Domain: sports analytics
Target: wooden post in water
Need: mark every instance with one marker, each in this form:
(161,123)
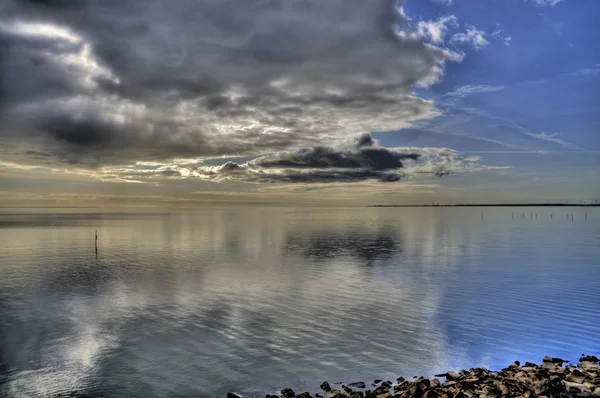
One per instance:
(96,243)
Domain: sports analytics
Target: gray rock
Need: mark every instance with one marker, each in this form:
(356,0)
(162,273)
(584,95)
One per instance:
(325,386)
(288,393)
(304,395)
(358,384)
(334,394)
(452,376)
(233,395)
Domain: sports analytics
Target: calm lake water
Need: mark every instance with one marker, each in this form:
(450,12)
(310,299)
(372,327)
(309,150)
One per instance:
(199,303)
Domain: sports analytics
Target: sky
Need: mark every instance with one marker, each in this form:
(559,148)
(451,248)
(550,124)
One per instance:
(298,102)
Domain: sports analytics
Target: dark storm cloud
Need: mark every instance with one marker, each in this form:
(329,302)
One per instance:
(327,157)
(363,159)
(81,133)
(133,80)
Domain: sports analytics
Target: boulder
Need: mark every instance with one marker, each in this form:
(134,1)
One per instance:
(387,384)
(271,396)
(415,391)
(357,394)
(452,376)
(288,393)
(587,365)
(577,376)
(325,386)
(334,394)
(347,389)
(542,387)
(304,395)
(317,395)
(514,365)
(233,395)
(358,384)
(574,388)
(377,381)
(589,358)
(431,394)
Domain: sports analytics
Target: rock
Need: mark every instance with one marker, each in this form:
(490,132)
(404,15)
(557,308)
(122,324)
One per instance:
(233,395)
(333,394)
(452,376)
(587,365)
(435,383)
(356,394)
(400,387)
(387,384)
(530,365)
(325,386)
(304,395)
(415,391)
(271,396)
(358,384)
(431,394)
(441,375)
(449,384)
(542,387)
(317,395)
(514,365)
(347,389)
(377,381)
(577,376)
(589,358)
(400,379)
(288,393)
(576,387)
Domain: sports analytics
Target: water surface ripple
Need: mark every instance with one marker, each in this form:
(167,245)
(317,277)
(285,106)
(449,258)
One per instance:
(198,303)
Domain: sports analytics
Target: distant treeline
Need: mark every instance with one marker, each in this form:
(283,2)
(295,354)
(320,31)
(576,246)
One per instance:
(500,205)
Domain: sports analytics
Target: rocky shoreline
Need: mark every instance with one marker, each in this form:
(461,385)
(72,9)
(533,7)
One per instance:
(550,379)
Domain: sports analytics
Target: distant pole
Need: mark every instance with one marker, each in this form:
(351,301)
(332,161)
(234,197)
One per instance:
(96,243)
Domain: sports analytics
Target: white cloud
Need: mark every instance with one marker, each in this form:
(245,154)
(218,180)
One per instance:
(444,2)
(472,36)
(463,91)
(553,138)
(436,30)
(543,3)
(505,39)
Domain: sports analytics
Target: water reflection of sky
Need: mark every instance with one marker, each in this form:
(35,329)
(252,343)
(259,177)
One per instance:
(205,302)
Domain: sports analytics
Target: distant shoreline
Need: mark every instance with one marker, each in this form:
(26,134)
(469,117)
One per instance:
(499,205)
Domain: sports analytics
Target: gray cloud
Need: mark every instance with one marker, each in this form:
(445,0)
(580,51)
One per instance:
(113,82)
(362,160)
